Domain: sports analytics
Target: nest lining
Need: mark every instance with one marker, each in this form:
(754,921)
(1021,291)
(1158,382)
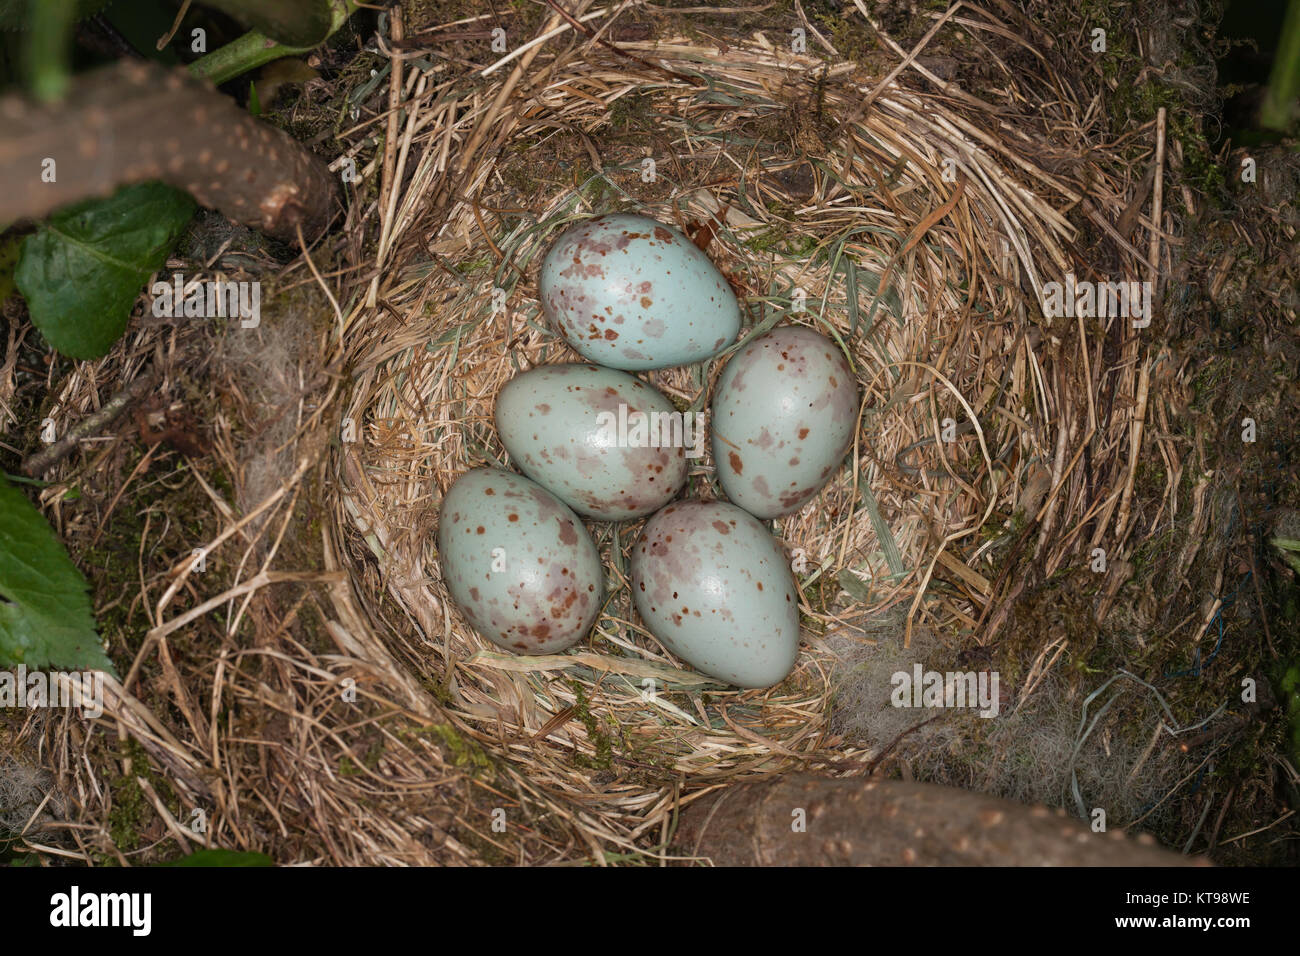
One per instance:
(920,241)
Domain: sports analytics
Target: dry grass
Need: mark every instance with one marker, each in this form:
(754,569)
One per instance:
(921,221)
(921,228)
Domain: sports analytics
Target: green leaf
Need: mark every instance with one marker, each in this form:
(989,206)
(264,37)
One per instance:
(221,857)
(854,585)
(253,48)
(291,22)
(82,270)
(884,534)
(48,50)
(45,616)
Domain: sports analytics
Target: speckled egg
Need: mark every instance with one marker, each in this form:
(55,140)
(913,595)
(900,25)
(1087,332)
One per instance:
(631,293)
(605,443)
(784,410)
(714,587)
(518,562)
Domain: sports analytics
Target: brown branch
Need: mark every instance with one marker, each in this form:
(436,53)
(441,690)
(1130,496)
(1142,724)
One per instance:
(871,822)
(135,121)
(48,457)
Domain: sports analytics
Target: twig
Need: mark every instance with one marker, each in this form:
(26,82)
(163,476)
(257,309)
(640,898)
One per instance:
(1254,578)
(577,25)
(387,187)
(1242,836)
(871,767)
(47,458)
(1157,203)
(176,25)
(470,149)
(1218,823)
(903,64)
(1187,847)
(1134,450)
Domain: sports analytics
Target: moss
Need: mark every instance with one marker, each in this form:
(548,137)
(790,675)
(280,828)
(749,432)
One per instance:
(1131,103)
(477,265)
(602,741)
(131,808)
(221,481)
(1149,479)
(778,239)
(114,557)
(634,110)
(465,754)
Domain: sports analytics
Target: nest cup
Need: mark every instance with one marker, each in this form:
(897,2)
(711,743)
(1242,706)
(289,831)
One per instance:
(899,226)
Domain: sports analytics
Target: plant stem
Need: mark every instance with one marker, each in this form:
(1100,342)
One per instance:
(1278,109)
(48,48)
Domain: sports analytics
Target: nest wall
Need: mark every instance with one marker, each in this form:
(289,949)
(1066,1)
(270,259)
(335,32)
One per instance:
(916,228)
(913,222)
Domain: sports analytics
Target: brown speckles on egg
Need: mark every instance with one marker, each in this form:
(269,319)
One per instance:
(596,450)
(795,423)
(511,558)
(793,500)
(613,262)
(710,589)
(736,464)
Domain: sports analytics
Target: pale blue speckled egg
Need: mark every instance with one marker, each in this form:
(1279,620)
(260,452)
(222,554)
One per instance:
(605,443)
(714,587)
(518,562)
(631,293)
(784,411)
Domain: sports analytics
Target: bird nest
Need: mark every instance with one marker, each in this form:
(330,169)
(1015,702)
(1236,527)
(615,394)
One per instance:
(910,221)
